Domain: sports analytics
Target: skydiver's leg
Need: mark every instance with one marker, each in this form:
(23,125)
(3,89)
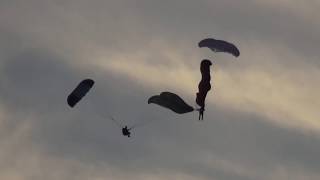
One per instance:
(202,110)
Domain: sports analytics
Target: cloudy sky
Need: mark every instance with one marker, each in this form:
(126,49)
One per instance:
(262,119)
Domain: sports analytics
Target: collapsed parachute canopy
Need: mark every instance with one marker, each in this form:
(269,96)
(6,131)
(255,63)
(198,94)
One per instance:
(79,92)
(171,101)
(204,85)
(219,46)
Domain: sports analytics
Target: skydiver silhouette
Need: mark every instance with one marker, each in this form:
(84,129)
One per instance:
(126,131)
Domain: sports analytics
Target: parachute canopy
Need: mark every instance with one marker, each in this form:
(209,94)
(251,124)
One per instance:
(171,101)
(204,85)
(219,46)
(79,92)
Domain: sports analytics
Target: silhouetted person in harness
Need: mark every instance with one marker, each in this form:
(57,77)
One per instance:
(126,131)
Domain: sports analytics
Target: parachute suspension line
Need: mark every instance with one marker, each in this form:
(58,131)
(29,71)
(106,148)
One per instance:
(116,122)
(104,115)
(108,116)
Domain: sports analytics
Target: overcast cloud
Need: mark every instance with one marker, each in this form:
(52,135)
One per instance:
(262,115)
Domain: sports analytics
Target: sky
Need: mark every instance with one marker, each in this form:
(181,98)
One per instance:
(261,119)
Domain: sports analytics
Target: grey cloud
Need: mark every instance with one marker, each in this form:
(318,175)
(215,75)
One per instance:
(36,79)
(79,134)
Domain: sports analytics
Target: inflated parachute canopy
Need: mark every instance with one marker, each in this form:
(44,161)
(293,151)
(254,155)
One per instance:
(219,46)
(171,101)
(79,92)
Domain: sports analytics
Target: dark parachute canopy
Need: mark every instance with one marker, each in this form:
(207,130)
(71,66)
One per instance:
(219,46)
(171,101)
(79,92)
(204,85)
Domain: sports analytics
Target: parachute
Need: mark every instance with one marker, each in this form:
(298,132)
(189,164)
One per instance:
(79,92)
(204,85)
(219,46)
(171,101)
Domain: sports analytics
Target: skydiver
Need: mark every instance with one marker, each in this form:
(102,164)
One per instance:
(126,131)
(201,110)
